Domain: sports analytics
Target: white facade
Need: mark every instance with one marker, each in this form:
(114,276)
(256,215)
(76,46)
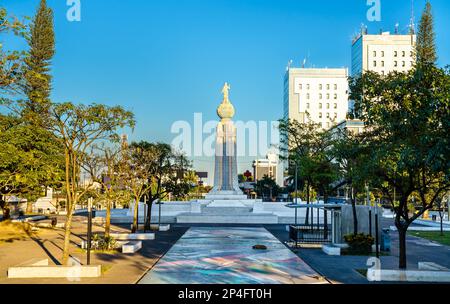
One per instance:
(383,53)
(321,93)
(270,166)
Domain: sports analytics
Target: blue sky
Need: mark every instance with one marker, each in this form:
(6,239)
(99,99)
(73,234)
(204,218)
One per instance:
(167,59)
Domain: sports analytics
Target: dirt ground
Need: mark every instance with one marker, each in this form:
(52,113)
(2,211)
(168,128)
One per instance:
(117,268)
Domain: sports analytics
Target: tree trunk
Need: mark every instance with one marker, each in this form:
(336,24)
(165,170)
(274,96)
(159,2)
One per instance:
(402,247)
(148,220)
(29,208)
(67,233)
(108,219)
(307,202)
(135,217)
(355,214)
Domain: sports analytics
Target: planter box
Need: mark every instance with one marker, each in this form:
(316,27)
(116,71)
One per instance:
(40,269)
(133,236)
(131,247)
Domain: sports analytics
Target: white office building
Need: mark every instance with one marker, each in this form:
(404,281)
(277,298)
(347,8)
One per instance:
(321,93)
(383,53)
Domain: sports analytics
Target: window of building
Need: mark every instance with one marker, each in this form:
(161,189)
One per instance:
(335,105)
(307,96)
(328,96)
(328,125)
(395,54)
(320,106)
(395,63)
(328,86)
(328,105)
(320,115)
(307,106)
(403,53)
(307,86)
(320,96)
(382,63)
(328,115)
(382,53)
(335,86)
(335,96)
(320,87)
(335,115)
(374,53)
(403,63)
(300,86)
(374,63)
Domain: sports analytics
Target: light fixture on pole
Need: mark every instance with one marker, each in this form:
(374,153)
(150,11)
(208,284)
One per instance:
(89,231)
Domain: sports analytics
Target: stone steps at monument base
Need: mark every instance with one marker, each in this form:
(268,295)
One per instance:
(227,210)
(195,218)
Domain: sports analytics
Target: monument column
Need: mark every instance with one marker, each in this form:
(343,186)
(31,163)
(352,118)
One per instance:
(226,184)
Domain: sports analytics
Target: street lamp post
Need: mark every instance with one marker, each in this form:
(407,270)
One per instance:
(377,238)
(296,194)
(89,231)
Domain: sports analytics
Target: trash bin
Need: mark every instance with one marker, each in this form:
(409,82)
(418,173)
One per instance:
(385,240)
(434,218)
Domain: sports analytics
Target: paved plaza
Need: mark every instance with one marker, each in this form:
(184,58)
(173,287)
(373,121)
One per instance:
(206,255)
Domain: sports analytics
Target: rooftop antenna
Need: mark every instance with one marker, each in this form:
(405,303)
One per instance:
(397,25)
(412,30)
(363,29)
(304,63)
(289,65)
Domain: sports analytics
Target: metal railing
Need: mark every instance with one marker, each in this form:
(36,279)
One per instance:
(310,234)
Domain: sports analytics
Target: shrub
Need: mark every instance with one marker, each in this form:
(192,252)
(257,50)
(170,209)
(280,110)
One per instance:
(102,243)
(360,243)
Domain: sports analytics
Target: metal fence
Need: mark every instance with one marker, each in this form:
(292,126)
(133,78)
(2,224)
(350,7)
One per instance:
(310,234)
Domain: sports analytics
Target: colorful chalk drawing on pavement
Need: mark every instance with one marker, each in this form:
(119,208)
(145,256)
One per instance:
(226,256)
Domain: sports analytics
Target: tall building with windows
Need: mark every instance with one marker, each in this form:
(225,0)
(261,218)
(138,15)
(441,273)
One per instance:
(383,53)
(320,94)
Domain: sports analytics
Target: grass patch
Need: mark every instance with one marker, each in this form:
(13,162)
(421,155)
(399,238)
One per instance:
(10,232)
(434,236)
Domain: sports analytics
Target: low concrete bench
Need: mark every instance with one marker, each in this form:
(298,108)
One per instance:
(331,250)
(165,227)
(133,236)
(131,247)
(431,267)
(41,269)
(374,275)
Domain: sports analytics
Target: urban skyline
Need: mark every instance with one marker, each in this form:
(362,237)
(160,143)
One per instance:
(253,61)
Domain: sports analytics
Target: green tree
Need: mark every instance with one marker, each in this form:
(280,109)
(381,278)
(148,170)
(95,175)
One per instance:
(38,63)
(310,147)
(155,172)
(267,187)
(426,45)
(11,62)
(407,130)
(80,127)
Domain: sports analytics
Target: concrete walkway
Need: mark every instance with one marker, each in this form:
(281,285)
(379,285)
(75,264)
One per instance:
(342,269)
(215,255)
